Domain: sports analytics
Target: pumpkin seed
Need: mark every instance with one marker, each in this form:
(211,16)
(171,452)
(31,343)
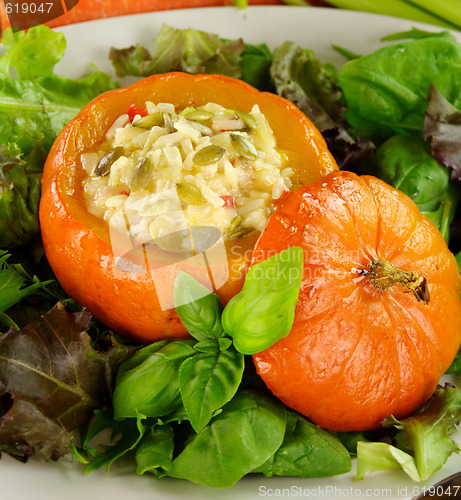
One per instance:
(235,230)
(200,116)
(149,121)
(106,161)
(208,154)
(190,194)
(248,119)
(240,233)
(244,147)
(185,111)
(235,223)
(141,174)
(168,122)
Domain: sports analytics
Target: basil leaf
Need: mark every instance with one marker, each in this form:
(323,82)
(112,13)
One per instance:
(148,383)
(207,382)
(404,163)
(15,283)
(209,346)
(307,451)
(255,62)
(243,436)
(198,308)
(263,311)
(125,436)
(386,91)
(224,343)
(155,449)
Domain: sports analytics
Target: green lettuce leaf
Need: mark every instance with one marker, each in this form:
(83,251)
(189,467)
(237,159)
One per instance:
(35,104)
(188,50)
(19,194)
(15,283)
(22,52)
(423,443)
(297,70)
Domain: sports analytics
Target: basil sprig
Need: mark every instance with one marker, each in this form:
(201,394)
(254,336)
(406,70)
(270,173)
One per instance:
(185,408)
(263,312)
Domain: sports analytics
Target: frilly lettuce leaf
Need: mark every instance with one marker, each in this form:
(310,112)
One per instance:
(24,59)
(423,442)
(188,50)
(300,77)
(35,104)
(295,66)
(442,126)
(19,194)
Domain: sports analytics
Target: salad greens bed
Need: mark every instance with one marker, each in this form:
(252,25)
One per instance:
(196,409)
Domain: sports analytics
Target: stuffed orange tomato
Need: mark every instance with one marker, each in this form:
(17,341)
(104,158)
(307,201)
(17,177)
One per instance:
(142,167)
(378,318)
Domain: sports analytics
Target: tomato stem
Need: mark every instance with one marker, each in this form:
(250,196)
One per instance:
(383,275)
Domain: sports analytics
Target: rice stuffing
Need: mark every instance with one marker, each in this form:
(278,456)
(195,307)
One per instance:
(171,169)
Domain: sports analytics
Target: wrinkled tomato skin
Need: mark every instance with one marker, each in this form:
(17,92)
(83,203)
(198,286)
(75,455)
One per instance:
(356,354)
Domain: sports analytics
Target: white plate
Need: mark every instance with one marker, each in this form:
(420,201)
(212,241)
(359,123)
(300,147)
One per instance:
(313,28)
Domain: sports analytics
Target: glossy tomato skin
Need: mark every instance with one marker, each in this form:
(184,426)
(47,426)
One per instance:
(357,355)
(78,244)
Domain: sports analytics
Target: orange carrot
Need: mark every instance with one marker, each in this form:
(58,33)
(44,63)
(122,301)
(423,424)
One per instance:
(86,10)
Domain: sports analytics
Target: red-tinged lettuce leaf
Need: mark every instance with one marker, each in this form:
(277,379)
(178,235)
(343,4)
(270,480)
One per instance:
(300,77)
(25,430)
(54,380)
(442,125)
